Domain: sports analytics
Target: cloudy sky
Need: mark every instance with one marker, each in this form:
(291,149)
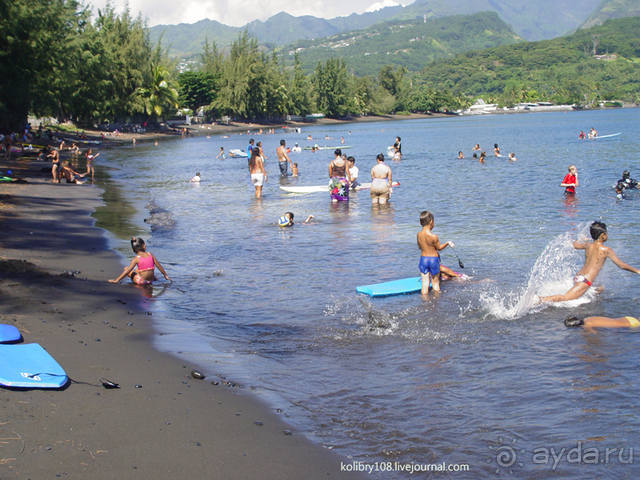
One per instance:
(240,12)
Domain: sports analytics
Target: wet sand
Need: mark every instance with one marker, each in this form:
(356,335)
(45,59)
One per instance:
(161,423)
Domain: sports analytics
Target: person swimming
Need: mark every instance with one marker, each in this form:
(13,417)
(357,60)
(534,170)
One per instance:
(286,220)
(590,323)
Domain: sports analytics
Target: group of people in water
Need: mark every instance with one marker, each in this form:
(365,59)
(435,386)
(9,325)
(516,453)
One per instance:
(482,156)
(63,170)
(593,133)
(343,176)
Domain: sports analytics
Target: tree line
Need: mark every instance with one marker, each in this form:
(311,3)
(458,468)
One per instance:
(59,62)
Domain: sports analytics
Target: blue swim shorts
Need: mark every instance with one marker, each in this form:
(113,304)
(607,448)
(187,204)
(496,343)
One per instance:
(429,265)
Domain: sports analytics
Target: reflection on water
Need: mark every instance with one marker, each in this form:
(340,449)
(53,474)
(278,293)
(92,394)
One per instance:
(450,378)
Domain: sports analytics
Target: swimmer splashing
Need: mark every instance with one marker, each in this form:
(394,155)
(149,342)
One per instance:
(595,256)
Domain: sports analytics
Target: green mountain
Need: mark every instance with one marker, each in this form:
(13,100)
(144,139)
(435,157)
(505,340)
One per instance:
(612,9)
(408,43)
(535,20)
(563,69)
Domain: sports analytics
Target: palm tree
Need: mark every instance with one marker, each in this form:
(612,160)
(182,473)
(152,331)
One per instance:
(159,94)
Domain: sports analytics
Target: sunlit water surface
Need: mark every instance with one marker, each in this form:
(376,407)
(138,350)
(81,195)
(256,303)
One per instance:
(468,377)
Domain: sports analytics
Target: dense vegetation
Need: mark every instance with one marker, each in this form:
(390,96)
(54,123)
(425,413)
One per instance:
(56,62)
(409,43)
(563,70)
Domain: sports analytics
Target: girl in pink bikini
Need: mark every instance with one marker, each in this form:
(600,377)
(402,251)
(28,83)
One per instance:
(145,262)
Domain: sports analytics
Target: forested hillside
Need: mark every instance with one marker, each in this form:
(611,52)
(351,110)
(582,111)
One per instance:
(411,43)
(562,70)
(609,9)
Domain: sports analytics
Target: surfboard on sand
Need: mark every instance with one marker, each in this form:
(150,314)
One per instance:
(29,366)
(9,333)
(394,287)
(324,188)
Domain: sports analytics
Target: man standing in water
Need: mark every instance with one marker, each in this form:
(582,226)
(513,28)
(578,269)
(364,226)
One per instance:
(595,255)
(283,158)
(249,148)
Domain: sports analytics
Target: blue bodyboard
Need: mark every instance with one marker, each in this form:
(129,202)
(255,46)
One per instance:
(395,287)
(29,366)
(9,333)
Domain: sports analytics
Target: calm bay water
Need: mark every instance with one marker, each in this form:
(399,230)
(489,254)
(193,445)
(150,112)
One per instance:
(461,378)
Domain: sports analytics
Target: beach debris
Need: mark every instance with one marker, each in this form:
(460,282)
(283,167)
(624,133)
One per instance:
(215,383)
(287,432)
(197,375)
(129,324)
(258,423)
(108,384)
(138,385)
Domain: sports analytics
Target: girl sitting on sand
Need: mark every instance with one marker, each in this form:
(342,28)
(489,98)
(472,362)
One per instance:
(146,263)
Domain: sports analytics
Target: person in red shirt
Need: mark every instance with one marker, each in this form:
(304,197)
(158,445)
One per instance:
(570,181)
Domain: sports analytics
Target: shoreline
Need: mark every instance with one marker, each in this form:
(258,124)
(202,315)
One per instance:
(173,426)
(252,127)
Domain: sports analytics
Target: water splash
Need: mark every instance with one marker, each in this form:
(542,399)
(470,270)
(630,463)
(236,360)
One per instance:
(551,274)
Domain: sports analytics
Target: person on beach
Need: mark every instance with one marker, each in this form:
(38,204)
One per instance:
(339,178)
(589,323)
(70,175)
(397,147)
(570,181)
(196,178)
(283,159)
(90,157)
(144,261)
(381,182)
(250,148)
(595,256)
(55,165)
(259,145)
(460,155)
(220,155)
(429,245)
(257,171)
(353,172)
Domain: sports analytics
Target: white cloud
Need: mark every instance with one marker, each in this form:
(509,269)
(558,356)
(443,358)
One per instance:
(380,5)
(239,12)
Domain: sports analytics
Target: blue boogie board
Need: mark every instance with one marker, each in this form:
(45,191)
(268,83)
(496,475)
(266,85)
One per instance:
(29,366)
(9,333)
(395,287)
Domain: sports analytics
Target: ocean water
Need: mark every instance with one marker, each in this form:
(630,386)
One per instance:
(478,375)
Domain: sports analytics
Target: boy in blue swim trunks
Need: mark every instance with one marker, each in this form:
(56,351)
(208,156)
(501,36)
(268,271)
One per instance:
(429,246)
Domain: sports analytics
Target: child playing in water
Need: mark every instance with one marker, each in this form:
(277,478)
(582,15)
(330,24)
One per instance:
(595,255)
(196,178)
(570,181)
(286,220)
(294,169)
(429,246)
(145,262)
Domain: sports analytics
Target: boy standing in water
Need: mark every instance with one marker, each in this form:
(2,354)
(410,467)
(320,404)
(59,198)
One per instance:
(595,255)
(570,181)
(429,246)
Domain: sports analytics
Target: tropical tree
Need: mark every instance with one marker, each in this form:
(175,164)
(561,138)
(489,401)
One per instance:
(158,95)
